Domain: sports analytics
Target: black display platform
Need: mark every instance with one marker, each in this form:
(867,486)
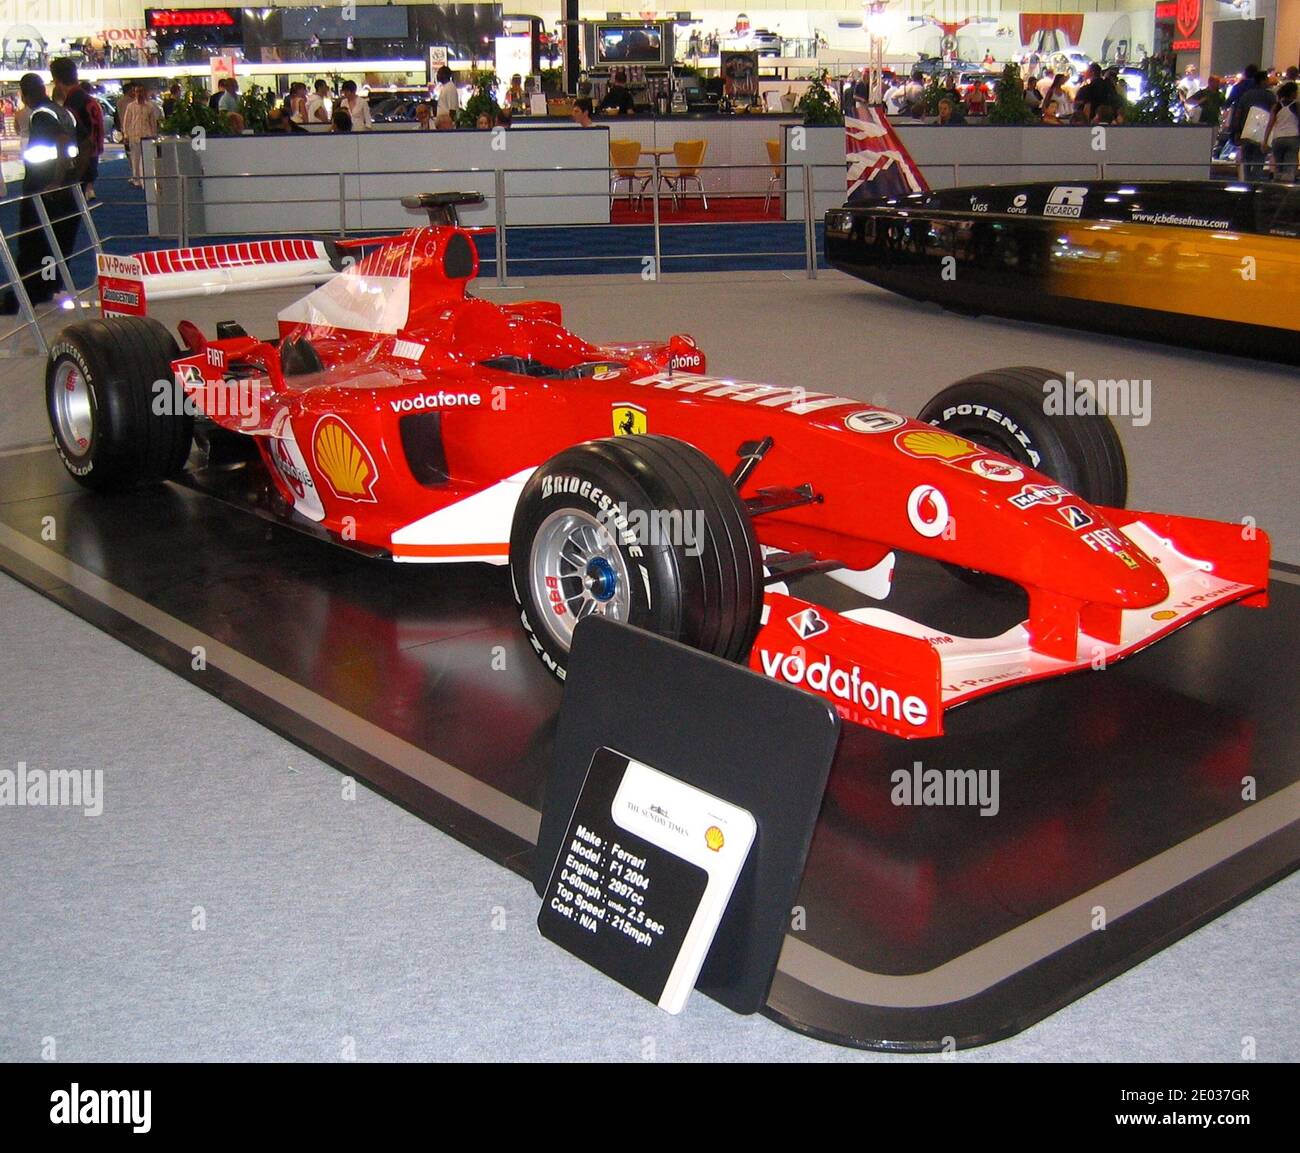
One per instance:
(919,927)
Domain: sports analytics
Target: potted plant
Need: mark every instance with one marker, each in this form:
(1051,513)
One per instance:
(191,112)
(1010,105)
(817,105)
(483,101)
(255,104)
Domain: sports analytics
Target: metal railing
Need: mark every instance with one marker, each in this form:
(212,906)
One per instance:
(500,186)
(502,195)
(14,279)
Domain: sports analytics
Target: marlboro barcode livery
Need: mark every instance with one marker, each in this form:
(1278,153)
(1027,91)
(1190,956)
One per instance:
(407,419)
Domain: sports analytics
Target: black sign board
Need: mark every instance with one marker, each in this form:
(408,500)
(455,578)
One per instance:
(754,743)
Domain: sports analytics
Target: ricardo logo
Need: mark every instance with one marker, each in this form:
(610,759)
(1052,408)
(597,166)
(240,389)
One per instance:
(343,460)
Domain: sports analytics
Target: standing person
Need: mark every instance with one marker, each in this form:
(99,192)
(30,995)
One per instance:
(172,98)
(1096,99)
(319,106)
(75,99)
(140,123)
(447,94)
(356,106)
(1254,94)
(49,157)
(295,104)
(119,105)
(96,142)
(229,100)
(1284,133)
(215,99)
(516,97)
(618,96)
(1057,105)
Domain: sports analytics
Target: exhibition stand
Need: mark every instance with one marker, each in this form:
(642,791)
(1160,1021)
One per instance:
(1133,805)
(551,172)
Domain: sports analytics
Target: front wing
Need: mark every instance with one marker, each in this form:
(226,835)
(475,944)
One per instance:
(891,673)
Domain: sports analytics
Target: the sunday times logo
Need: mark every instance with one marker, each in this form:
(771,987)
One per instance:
(78,1106)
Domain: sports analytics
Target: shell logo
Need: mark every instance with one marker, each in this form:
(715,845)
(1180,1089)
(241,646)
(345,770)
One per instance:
(1164,615)
(714,839)
(924,442)
(344,462)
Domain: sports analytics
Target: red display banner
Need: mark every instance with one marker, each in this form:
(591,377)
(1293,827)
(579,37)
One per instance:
(190,18)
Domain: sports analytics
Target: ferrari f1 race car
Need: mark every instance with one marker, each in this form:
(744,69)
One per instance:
(409,420)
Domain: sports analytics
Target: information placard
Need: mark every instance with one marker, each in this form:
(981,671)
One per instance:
(751,751)
(647,868)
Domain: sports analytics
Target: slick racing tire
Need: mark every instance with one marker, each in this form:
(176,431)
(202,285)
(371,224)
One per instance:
(112,427)
(1004,410)
(641,529)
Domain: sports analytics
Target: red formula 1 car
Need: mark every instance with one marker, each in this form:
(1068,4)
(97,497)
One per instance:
(410,420)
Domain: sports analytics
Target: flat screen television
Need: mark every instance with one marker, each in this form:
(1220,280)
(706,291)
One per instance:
(630,44)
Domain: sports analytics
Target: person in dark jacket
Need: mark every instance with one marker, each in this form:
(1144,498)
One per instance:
(49,167)
(1255,93)
(618,96)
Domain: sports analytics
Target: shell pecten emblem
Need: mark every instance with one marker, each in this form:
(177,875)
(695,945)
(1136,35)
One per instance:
(343,460)
(933,443)
(714,839)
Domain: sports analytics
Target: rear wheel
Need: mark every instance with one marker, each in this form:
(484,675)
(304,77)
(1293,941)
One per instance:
(640,529)
(112,403)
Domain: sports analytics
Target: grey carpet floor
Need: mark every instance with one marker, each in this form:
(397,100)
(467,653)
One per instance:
(334,927)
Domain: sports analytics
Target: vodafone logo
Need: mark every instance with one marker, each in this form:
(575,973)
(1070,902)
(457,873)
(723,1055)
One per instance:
(927,509)
(848,685)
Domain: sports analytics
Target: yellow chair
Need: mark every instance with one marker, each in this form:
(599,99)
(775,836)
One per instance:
(623,155)
(777,179)
(689,155)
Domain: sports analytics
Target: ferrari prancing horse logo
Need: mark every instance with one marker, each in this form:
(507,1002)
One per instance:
(629,420)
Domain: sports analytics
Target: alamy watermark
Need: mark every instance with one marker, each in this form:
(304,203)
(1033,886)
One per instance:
(48,788)
(675,527)
(946,788)
(1078,396)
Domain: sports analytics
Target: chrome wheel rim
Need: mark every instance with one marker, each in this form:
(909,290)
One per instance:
(576,570)
(74,414)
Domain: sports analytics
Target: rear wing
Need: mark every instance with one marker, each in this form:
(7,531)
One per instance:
(128,284)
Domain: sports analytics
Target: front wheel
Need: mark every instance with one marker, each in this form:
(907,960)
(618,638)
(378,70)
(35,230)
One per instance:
(645,530)
(112,403)
(1008,411)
